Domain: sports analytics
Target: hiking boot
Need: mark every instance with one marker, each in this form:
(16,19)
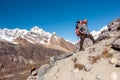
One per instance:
(82,49)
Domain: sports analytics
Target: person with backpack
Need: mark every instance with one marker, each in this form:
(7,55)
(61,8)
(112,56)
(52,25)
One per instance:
(82,28)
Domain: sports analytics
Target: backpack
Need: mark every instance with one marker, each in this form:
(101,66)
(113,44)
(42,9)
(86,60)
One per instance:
(77,31)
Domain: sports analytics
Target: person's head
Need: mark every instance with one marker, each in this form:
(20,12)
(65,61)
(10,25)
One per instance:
(85,21)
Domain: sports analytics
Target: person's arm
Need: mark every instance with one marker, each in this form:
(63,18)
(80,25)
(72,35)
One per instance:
(81,30)
(86,30)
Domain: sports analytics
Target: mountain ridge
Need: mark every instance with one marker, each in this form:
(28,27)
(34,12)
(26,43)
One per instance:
(35,35)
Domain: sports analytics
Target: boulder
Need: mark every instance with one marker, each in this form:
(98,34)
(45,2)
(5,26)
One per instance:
(116,44)
(34,73)
(53,59)
(103,35)
(42,71)
(63,56)
(118,28)
(113,26)
(113,61)
(88,67)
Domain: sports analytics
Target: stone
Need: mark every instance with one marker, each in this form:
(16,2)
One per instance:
(103,35)
(44,68)
(63,56)
(116,44)
(34,73)
(98,77)
(113,61)
(113,26)
(114,76)
(118,28)
(42,71)
(117,65)
(111,51)
(88,67)
(53,59)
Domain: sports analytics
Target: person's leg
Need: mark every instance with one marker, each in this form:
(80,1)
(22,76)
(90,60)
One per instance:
(91,37)
(82,38)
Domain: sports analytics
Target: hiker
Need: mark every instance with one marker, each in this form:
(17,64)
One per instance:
(83,32)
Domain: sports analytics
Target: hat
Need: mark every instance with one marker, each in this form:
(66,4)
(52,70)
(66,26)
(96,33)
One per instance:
(85,21)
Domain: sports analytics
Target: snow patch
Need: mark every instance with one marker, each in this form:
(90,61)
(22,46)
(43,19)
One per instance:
(96,33)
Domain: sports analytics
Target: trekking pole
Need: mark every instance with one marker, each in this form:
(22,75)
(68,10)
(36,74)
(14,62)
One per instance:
(78,42)
(77,46)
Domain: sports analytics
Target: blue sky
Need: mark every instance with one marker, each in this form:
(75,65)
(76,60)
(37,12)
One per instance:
(57,15)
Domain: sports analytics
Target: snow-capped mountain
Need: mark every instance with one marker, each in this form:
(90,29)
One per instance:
(35,36)
(96,33)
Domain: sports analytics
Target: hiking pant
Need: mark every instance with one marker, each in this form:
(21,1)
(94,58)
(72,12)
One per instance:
(82,38)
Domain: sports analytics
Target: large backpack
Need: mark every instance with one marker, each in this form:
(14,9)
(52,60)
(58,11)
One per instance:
(77,31)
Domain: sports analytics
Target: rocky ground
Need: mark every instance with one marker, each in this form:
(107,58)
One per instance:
(89,65)
(100,61)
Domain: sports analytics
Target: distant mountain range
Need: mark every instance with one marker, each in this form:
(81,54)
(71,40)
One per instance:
(35,36)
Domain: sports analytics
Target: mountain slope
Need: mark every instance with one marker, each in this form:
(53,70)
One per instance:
(98,62)
(66,70)
(17,58)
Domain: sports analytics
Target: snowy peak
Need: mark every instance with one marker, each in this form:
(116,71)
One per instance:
(96,33)
(40,31)
(36,29)
(35,36)
(12,32)
(34,33)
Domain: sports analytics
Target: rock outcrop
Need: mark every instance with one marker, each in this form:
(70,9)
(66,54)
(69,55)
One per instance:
(103,35)
(114,25)
(116,44)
